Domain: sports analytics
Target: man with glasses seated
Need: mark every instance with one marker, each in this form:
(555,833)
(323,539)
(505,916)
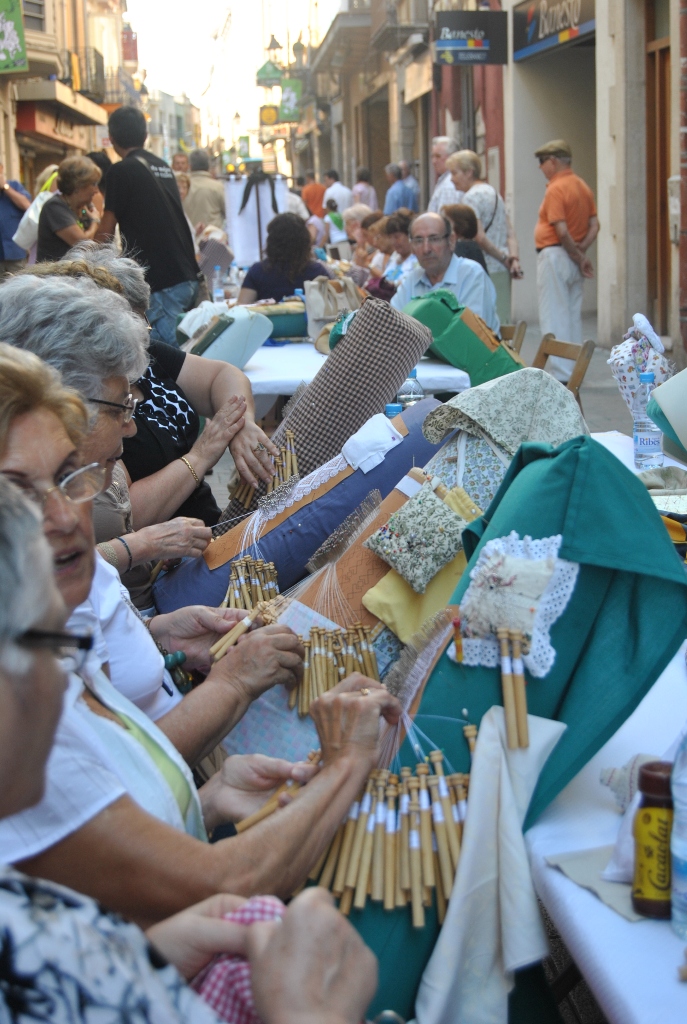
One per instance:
(433,241)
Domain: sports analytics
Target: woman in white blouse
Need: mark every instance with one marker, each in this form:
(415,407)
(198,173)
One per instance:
(495,234)
(64,957)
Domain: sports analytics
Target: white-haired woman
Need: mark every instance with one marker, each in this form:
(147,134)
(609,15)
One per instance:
(495,234)
(63,956)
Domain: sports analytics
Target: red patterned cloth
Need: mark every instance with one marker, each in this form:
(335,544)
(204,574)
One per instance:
(225,983)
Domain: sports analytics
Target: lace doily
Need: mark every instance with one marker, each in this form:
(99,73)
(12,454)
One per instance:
(554,600)
(307,485)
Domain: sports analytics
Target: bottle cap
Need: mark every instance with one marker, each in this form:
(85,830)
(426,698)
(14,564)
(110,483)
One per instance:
(646,378)
(393,409)
(217,267)
(413,372)
(654,778)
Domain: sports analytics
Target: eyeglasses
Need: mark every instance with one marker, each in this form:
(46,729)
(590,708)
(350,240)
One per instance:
(129,408)
(543,159)
(418,242)
(71,650)
(81,485)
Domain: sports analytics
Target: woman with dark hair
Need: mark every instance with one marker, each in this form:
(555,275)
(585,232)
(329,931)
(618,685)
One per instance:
(69,216)
(403,258)
(287,265)
(464,220)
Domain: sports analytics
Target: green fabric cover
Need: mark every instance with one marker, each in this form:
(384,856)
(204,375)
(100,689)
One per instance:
(656,413)
(455,342)
(624,622)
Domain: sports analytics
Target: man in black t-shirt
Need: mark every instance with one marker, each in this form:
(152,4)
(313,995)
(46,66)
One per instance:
(143,198)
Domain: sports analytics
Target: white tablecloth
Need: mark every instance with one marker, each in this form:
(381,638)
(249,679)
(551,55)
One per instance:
(279,370)
(631,968)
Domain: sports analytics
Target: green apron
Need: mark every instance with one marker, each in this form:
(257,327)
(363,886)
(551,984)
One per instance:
(624,622)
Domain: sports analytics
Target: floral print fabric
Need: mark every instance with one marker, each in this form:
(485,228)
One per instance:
(65,960)
(482,469)
(419,539)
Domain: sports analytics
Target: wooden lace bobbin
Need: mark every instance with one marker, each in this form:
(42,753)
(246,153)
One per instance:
(437,759)
(455,784)
(244,584)
(339,883)
(346,902)
(220,648)
(390,844)
(331,662)
(507,688)
(404,811)
(285,471)
(251,580)
(278,477)
(248,499)
(422,771)
(378,849)
(520,693)
(270,483)
(371,651)
(294,460)
(349,653)
(415,856)
(365,867)
(361,828)
(470,734)
(286,457)
(301,691)
(443,852)
(458,639)
(439,888)
(329,868)
(319,864)
(368,668)
(315,667)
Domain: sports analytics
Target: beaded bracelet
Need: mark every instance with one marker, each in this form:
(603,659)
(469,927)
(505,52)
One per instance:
(191,469)
(128,551)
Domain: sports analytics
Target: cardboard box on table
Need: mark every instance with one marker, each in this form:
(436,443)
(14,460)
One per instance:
(625,620)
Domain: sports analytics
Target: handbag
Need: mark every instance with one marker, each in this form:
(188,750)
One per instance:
(325,299)
(26,234)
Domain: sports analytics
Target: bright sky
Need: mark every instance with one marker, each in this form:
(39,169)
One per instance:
(177,49)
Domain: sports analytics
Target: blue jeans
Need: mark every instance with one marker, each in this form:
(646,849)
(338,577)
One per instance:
(166,305)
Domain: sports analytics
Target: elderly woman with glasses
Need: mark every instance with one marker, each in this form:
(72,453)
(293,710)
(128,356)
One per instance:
(121,817)
(63,956)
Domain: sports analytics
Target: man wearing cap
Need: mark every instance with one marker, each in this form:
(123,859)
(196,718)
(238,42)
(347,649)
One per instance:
(566,228)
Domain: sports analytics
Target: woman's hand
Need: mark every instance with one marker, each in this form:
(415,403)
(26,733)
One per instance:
(347,719)
(251,463)
(514,268)
(189,940)
(177,538)
(311,967)
(193,630)
(217,433)
(263,658)
(244,783)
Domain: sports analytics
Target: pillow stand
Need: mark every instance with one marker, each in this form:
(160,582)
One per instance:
(419,539)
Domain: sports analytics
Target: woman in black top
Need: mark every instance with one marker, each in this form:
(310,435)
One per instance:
(69,216)
(464,223)
(288,263)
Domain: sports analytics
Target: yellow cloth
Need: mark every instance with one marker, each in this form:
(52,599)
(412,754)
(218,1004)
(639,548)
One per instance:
(167,768)
(676,531)
(394,601)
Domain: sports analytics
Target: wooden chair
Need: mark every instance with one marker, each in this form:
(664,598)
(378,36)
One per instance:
(514,334)
(581,354)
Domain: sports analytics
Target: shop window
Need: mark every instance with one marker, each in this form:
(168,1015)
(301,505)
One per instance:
(34,15)
(661,19)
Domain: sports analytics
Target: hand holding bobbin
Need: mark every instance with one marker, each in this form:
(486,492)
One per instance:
(347,719)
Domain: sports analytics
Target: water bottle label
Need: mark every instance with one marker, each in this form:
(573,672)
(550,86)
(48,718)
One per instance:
(648,443)
(652,828)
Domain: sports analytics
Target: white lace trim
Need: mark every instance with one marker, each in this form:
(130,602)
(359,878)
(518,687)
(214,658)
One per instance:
(307,485)
(553,603)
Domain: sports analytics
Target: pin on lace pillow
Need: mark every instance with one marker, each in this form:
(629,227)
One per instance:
(420,539)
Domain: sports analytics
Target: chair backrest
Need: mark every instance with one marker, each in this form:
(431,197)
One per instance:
(514,334)
(580,354)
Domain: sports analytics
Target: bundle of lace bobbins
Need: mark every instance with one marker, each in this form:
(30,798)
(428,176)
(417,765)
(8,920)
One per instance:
(285,466)
(268,611)
(400,843)
(251,581)
(330,656)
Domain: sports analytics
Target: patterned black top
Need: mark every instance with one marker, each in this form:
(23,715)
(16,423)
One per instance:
(65,960)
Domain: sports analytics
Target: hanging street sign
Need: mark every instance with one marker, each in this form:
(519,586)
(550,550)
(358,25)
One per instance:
(471,37)
(12,43)
(290,107)
(269,114)
(540,25)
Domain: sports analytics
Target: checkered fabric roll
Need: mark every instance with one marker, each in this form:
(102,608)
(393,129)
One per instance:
(360,376)
(225,983)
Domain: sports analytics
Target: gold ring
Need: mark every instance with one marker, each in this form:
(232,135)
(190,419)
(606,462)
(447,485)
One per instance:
(364,691)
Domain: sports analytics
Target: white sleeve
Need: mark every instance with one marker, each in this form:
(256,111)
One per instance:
(478,293)
(78,787)
(403,294)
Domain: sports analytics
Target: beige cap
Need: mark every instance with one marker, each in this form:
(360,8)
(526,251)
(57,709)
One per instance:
(557,147)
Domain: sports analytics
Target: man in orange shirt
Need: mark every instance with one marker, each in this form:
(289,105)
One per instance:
(312,195)
(566,228)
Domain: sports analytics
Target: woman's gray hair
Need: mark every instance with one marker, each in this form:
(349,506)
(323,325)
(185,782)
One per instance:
(25,566)
(128,272)
(87,333)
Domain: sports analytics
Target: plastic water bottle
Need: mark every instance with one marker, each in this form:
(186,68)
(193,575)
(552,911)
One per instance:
(678,841)
(647,436)
(410,391)
(217,286)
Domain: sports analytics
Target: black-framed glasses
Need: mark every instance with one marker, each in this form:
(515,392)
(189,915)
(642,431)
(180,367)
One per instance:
(129,408)
(81,485)
(432,239)
(72,650)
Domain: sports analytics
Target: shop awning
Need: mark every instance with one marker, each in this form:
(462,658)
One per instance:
(346,43)
(67,104)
